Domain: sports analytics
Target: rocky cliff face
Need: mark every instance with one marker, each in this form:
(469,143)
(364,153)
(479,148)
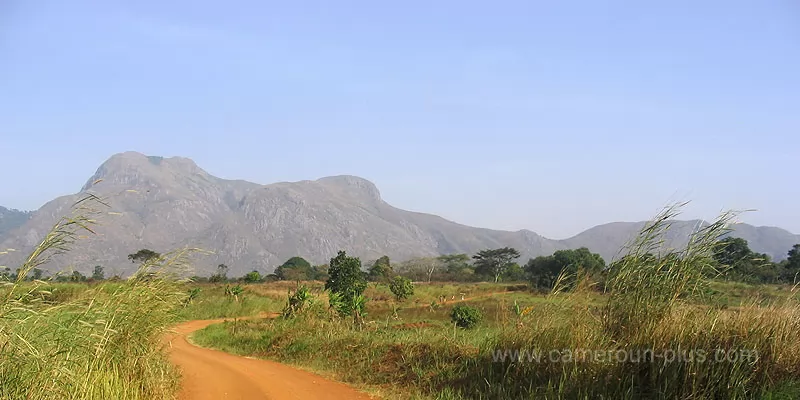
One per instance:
(167,203)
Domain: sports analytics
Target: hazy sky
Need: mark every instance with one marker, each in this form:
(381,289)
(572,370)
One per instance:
(553,116)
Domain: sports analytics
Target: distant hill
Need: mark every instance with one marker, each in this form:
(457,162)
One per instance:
(608,239)
(166,203)
(11,219)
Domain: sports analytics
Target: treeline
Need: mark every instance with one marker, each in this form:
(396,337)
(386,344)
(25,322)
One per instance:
(37,274)
(732,259)
(736,261)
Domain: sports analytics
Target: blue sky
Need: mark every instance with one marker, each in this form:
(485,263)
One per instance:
(551,116)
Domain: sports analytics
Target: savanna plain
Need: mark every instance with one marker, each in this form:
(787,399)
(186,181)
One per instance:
(704,322)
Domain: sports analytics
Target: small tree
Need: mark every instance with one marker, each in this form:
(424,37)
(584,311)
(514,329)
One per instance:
(514,273)
(401,287)
(38,274)
(465,316)
(543,271)
(347,282)
(98,274)
(221,275)
(77,277)
(143,256)
(792,264)
(381,270)
(252,277)
(731,250)
(295,269)
(234,291)
(739,262)
(495,262)
(458,267)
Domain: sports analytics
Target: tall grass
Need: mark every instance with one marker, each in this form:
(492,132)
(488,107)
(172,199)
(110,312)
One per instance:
(211,302)
(650,280)
(664,345)
(98,342)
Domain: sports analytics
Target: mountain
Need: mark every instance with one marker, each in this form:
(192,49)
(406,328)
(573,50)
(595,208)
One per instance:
(608,239)
(167,203)
(11,219)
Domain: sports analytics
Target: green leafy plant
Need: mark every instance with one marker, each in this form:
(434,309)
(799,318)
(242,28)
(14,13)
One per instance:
(465,316)
(358,307)
(234,291)
(346,282)
(401,287)
(381,270)
(298,301)
(192,294)
(252,277)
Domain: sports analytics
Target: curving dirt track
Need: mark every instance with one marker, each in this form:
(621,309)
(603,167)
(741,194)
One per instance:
(213,375)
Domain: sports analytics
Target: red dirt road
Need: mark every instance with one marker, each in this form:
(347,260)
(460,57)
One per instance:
(214,375)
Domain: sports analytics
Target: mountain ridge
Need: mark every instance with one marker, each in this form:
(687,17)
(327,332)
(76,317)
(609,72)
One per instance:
(165,203)
(11,218)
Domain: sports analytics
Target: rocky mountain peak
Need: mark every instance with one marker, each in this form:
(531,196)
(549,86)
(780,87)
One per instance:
(353,185)
(130,168)
(168,203)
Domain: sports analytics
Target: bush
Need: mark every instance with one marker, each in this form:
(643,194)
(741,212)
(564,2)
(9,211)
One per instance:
(401,287)
(465,316)
(298,301)
(252,277)
(234,291)
(346,284)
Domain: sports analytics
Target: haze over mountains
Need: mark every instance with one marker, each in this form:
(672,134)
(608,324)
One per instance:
(168,203)
(11,218)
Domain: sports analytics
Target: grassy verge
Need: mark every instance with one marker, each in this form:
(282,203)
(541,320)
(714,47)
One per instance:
(79,341)
(209,301)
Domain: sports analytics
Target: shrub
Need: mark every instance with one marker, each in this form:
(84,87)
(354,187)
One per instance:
(465,316)
(401,287)
(234,291)
(252,277)
(347,282)
(298,301)
(192,294)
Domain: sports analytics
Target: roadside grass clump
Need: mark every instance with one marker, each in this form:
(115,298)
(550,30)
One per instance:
(77,341)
